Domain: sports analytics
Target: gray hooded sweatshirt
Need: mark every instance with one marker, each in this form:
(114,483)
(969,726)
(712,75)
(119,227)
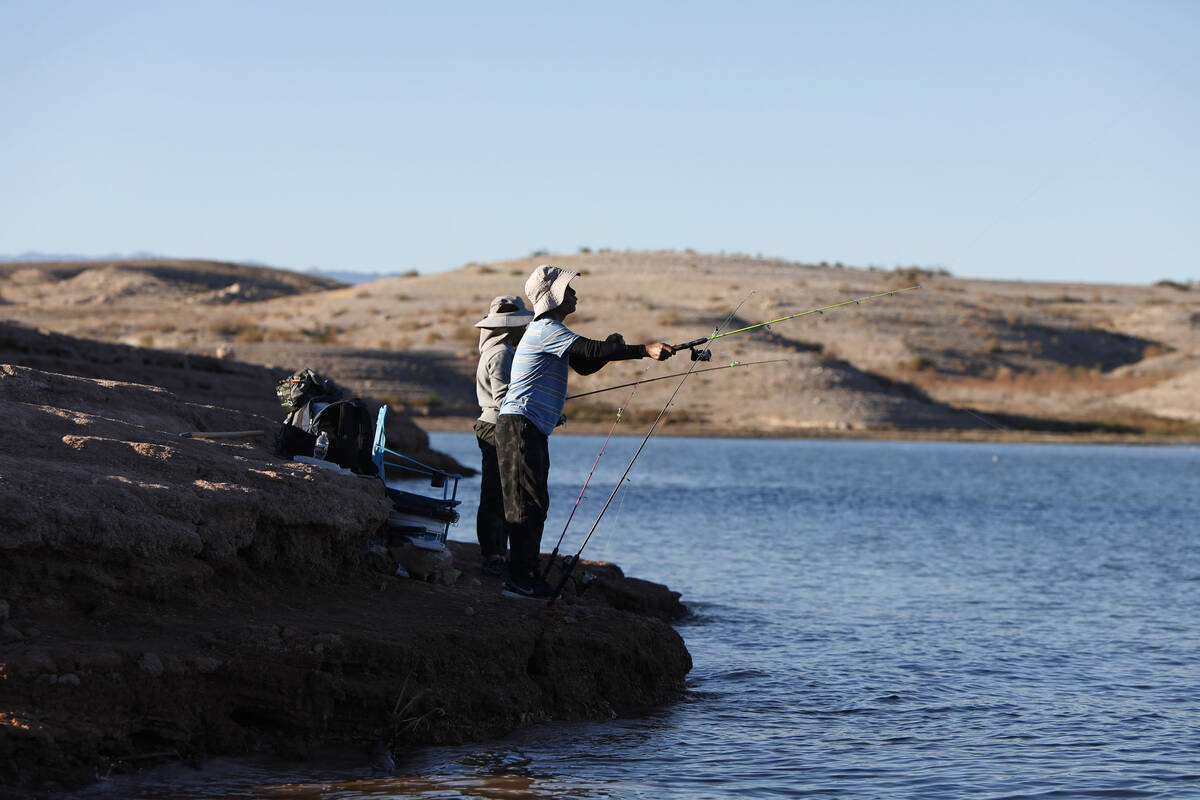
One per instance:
(492,374)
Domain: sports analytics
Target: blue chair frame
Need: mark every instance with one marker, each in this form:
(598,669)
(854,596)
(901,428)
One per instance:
(439,510)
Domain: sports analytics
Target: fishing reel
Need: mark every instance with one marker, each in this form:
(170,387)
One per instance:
(697,355)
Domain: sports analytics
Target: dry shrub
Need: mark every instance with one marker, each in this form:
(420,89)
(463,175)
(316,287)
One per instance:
(251,334)
(325,334)
(917,363)
(466,336)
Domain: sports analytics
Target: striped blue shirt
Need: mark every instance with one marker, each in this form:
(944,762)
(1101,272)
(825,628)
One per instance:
(537,389)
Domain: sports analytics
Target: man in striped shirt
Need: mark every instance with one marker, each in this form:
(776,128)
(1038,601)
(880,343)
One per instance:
(533,407)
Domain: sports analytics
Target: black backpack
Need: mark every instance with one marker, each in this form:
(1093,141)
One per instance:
(315,405)
(300,388)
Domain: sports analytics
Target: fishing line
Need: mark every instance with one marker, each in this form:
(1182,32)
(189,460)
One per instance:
(700,356)
(618,514)
(730,365)
(570,566)
(995,425)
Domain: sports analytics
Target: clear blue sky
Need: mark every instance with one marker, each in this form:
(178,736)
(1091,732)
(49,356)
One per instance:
(1043,140)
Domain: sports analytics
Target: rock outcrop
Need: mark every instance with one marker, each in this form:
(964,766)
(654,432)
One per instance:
(164,598)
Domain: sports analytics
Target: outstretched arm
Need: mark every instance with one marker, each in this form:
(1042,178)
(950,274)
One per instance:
(589,355)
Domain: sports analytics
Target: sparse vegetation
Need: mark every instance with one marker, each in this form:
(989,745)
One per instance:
(915,274)
(250,334)
(326,334)
(918,362)
(1176,285)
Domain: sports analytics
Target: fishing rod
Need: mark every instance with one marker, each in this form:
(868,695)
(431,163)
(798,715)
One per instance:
(697,357)
(578,500)
(570,567)
(730,365)
(705,355)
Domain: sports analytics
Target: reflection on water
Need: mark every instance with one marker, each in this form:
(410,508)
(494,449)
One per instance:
(479,775)
(871,619)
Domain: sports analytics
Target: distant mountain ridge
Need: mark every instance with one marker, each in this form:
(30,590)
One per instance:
(346,275)
(56,257)
(339,275)
(34,257)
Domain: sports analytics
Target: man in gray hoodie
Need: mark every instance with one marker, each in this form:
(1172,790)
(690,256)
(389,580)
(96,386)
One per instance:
(500,331)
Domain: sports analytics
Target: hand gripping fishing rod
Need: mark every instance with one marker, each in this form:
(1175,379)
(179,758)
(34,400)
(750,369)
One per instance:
(705,355)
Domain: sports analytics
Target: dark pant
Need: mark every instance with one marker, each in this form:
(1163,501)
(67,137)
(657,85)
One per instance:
(524,456)
(490,526)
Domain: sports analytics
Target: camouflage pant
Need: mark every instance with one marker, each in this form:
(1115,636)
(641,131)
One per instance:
(524,457)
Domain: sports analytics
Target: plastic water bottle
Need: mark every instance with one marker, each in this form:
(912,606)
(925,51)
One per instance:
(322,446)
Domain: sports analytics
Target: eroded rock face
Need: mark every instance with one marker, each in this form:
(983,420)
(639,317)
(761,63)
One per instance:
(96,471)
(202,380)
(163,597)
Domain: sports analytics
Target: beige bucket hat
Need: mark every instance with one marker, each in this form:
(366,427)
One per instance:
(547,287)
(506,311)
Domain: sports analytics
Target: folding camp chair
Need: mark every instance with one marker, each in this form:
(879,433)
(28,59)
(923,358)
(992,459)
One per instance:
(423,519)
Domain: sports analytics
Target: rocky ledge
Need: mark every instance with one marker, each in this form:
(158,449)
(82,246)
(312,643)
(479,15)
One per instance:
(165,598)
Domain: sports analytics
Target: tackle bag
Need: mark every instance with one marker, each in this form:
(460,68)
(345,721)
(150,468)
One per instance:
(315,406)
(300,388)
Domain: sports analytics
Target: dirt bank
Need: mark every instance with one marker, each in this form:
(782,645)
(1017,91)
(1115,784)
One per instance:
(164,598)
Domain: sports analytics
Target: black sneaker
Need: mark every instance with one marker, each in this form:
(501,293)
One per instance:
(527,586)
(495,566)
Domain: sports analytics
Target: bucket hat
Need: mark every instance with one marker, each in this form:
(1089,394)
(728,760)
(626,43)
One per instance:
(506,311)
(547,287)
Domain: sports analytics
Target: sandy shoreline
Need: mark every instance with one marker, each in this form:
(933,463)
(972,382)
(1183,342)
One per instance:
(447,424)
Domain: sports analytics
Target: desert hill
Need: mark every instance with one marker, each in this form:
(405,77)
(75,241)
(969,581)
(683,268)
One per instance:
(140,284)
(955,358)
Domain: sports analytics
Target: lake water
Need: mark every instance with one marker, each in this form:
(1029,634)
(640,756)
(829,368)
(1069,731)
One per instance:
(872,620)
